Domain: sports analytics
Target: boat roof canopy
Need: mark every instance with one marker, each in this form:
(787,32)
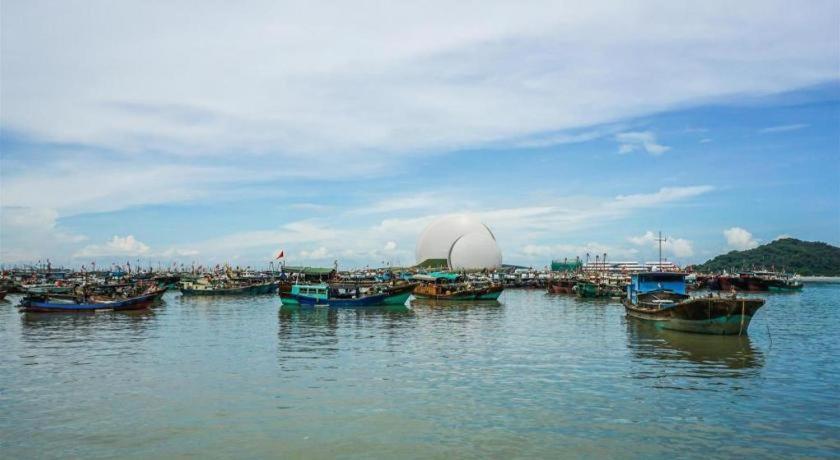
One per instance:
(435,276)
(660,276)
(310,271)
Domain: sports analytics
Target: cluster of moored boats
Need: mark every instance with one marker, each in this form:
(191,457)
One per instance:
(657,296)
(107,291)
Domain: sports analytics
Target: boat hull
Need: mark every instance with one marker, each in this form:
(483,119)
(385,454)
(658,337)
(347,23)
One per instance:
(591,291)
(491,293)
(561,287)
(257,289)
(134,303)
(368,301)
(716,316)
(397,299)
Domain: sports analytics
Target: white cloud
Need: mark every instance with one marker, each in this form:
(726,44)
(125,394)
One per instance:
(638,140)
(514,227)
(705,140)
(549,139)
(678,247)
(782,237)
(783,128)
(178,253)
(740,239)
(401,203)
(30,234)
(117,246)
(393,239)
(320,253)
(545,253)
(309,206)
(401,77)
(663,196)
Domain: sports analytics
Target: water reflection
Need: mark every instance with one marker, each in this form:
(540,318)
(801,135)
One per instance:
(305,335)
(86,323)
(456,304)
(696,355)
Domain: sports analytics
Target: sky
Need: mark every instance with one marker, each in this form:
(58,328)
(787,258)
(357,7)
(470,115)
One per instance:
(214,132)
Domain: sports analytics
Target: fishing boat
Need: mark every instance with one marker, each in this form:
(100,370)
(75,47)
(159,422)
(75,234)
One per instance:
(337,295)
(758,281)
(42,303)
(588,289)
(451,286)
(207,286)
(780,281)
(561,286)
(660,297)
(785,284)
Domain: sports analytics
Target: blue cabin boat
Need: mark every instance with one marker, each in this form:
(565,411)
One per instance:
(346,296)
(660,297)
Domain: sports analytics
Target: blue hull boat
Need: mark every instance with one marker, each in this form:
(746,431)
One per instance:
(367,301)
(35,305)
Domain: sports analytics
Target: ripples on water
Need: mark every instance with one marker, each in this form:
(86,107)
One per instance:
(533,375)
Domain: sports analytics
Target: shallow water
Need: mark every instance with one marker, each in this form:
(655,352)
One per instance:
(533,375)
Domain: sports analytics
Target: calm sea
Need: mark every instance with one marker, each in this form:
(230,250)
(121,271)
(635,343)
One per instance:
(531,376)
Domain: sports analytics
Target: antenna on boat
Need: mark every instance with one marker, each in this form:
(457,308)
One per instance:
(660,240)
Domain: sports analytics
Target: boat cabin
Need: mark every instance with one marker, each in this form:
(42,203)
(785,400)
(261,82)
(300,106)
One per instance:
(317,291)
(643,283)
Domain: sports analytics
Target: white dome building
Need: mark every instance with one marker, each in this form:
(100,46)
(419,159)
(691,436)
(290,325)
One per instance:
(461,241)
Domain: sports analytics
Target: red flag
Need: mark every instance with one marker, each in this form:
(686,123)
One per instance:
(281,255)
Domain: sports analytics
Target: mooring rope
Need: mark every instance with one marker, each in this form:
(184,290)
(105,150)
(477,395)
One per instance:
(743,306)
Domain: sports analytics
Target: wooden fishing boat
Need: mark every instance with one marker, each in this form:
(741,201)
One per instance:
(661,299)
(561,286)
(785,285)
(45,304)
(338,295)
(593,290)
(450,286)
(203,287)
(760,281)
(780,281)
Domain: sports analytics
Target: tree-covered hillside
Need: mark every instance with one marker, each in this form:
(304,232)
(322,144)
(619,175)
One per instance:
(788,254)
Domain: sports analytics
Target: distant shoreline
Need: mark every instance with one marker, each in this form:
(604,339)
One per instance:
(820,279)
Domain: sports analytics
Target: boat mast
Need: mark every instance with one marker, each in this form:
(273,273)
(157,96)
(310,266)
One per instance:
(660,240)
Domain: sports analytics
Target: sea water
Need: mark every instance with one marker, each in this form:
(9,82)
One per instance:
(533,375)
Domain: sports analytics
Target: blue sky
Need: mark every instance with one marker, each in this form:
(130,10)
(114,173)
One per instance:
(129,132)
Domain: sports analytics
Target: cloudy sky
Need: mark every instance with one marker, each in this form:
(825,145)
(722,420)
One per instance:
(216,131)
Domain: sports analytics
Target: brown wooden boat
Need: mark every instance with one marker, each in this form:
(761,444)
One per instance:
(561,286)
(453,287)
(661,299)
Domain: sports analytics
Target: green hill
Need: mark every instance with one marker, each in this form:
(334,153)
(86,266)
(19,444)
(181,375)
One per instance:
(788,254)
